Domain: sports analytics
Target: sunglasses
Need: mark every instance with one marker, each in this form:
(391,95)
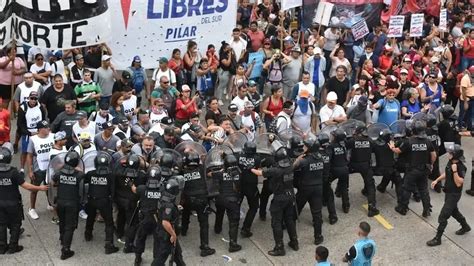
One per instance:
(33,98)
(165,82)
(39,59)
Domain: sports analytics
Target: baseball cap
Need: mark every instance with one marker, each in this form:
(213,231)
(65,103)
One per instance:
(288,39)
(166,120)
(407,59)
(60,135)
(433,74)
(163,60)
(106,57)
(252,83)
(84,136)
(404,71)
(126,75)
(126,143)
(42,124)
(317,50)
(296,49)
(434,59)
(81,114)
(195,128)
(78,57)
(363,100)
(137,59)
(120,120)
(332,96)
(185,88)
(104,106)
(33,94)
(304,94)
(248,104)
(107,125)
(233,107)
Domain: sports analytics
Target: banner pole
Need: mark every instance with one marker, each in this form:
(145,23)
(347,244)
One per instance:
(12,81)
(321,20)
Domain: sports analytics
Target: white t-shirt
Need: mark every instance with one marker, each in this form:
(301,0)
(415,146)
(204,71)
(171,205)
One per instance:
(239,102)
(326,114)
(156,118)
(25,91)
(58,68)
(157,74)
(90,128)
(331,39)
(283,122)
(309,87)
(40,148)
(35,69)
(303,121)
(129,106)
(238,47)
(247,122)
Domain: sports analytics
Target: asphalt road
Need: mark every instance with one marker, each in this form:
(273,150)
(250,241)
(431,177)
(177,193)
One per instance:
(404,244)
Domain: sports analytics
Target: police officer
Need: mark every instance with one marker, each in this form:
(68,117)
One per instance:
(422,156)
(100,197)
(454,176)
(229,199)
(248,183)
(448,128)
(361,150)
(328,194)
(68,181)
(310,183)
(126,176)
(282,206)
(195,198)
(339,166)
(11,213)
(167,167)
(433,136)
(149,195)
(385,163)
(363,251)
(166,242)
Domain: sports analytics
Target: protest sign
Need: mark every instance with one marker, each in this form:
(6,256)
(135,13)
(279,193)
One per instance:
(360,29)
(416,25)
(395,27)
(287,4)
(443,20)
(323,13)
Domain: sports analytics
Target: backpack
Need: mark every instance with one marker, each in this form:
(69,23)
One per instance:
(275,75)
(138,80)
(272,128)
(311,106)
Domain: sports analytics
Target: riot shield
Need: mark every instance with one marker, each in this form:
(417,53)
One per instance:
(328,129)
(187,146)
(349,126)
(215,163)
(398,128)
(88,160)
(264,143)
(55,165)
(236,141)
(373,131)
(419,116)
(287,134)
(156,157)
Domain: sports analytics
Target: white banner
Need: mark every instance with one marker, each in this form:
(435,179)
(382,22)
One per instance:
(287,4)
(395,26)
(60,24)
(443,20)
(416,25)
(152,29)
(360,29)
(5,22)
(323,13)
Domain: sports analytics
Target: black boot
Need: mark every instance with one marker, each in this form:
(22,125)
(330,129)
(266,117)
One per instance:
(278,250)
(436,241)
(217,229)
(293,244)
(364,192)
(372,211)
(138,259)
(381,188)
(470,192)
(346,208)
(234,247)
(318,240)
(66,253)
(332,220)
(437,187)
(245,233)
(426,213)
(110,248)
(416,196)
(14,248)
(233,233)
(400,209)
(88,236)
(3,249)
(206,251)
(128,248)
(464,229)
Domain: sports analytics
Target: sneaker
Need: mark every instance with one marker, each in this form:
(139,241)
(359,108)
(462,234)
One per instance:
(120,241)
(50,208)
(55,220)
(83,214)
(32,213)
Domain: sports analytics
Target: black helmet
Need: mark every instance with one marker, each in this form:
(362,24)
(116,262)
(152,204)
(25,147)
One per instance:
(457,152)
(385,135)
(102,162)
(323,139)
(281,156)
(172,187)
(250,147)
(430,121)
(5,155)
(360,129)
(312,145)
(296,143)
(154,172)
(191,159)
(447,111)
(72,159)
(133,162)
(230,160)
(167,161)
(339,135)
(419,127)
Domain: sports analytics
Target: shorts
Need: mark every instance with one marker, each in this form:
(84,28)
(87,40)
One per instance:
(6,91)
(40,177)
(25,139)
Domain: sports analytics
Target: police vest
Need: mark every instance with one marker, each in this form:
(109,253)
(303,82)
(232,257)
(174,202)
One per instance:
(25,91)
(99,185)
(149,200)
(327,162)
(229,184)
(361,150)
(32,116)
(41,147)
(195,183)
(432,135)
(419,153)
(383,155)
(129,106)
(283,183)
(68,187)
(312,173)
(9,192)
(245,164)
(339,155)
(365,251)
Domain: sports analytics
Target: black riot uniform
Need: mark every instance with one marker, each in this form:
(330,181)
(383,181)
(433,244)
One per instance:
(448,128)
(433,135)
(361,150)
(282,207)
(419,149)
(295,149)
(385,163)
(453,194)
(149,195)
(310,185)
(248,184)
(11,213)
(229,199)
(339,166)
(328,194)
(167,167)
(167,214)
(68,181)
(100,197)
(195,198)
(126,176)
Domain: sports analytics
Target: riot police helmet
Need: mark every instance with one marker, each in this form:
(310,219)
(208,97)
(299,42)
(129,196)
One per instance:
(447,111)
(430,121)
(385,135)
(457,152)
(102,163)
(419,128)
(167,161)
(339,135)
(5,155)
(154,177)
(191,159)
(230,160)
(250,147)
(360,129)
(72,159)
(281,156)
(323,139)
(133,162)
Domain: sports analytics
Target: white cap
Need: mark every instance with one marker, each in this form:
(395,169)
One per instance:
(332,96)
(106,57)
(317,50)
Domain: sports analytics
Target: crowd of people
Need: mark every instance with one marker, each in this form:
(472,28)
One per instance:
(322,104)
